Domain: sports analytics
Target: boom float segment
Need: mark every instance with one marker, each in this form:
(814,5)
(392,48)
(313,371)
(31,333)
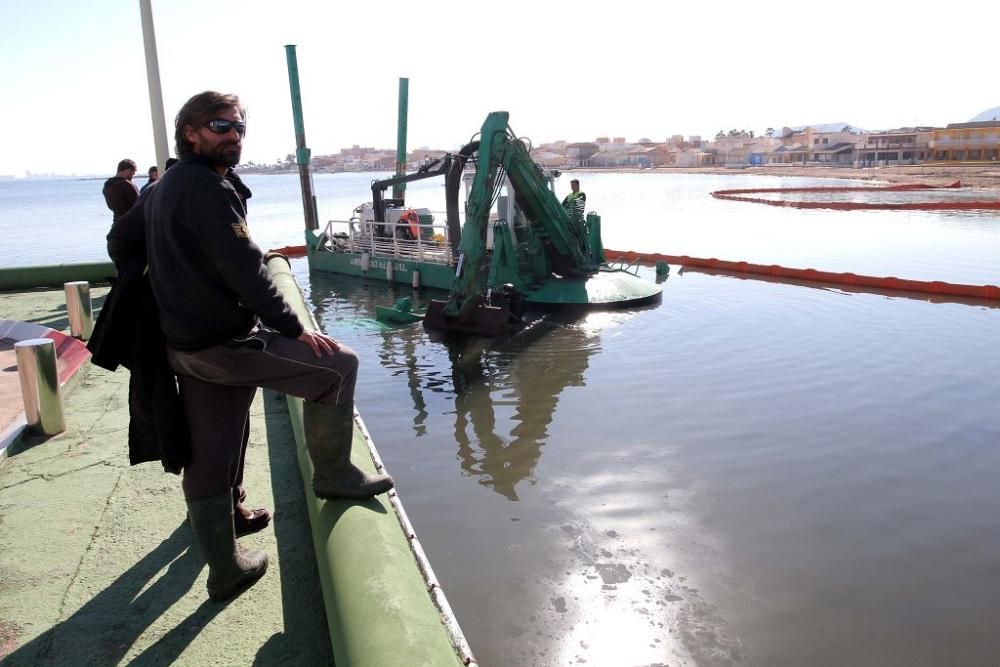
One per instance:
(384,607)
(989,292)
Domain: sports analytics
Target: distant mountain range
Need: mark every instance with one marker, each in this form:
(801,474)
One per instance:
(829,128)
(989,114)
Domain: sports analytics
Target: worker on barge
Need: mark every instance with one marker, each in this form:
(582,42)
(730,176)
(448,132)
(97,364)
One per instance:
(576,200)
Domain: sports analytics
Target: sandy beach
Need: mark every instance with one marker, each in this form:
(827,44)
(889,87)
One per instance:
(975,176)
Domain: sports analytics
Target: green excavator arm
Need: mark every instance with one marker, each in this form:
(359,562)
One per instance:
(482,298)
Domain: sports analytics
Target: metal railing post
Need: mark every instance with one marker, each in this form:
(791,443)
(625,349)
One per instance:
(36,367)
(79,309)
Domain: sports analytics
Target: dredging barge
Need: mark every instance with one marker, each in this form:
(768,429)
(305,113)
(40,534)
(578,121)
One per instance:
(518,246)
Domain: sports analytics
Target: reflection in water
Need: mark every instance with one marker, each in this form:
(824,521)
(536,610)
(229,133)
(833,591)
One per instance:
(473,382)
(401,351)
(399,348)
(525,374)
(755,473)
(521,378)
(586,578)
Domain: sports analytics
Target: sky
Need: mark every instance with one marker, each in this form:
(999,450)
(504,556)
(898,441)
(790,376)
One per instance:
(75,97)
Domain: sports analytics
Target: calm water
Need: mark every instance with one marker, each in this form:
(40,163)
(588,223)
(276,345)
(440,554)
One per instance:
(750,472)
(66,221)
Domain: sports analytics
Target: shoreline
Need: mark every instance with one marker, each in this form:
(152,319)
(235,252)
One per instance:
(980,176)
(986,177)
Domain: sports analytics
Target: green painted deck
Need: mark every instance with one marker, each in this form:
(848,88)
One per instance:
(97,563)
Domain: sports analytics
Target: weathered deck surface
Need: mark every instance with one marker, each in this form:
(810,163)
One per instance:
(97,564)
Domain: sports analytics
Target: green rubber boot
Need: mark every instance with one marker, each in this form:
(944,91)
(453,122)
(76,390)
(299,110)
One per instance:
(329,435)
(231,570)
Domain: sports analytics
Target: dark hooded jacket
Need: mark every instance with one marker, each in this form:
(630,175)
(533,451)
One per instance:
(127,238)
(209,278)
(128,333)
(120,194)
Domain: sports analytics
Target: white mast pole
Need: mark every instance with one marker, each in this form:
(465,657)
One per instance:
(153,78)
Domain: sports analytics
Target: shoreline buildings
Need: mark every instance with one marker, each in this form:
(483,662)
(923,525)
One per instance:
(974,142)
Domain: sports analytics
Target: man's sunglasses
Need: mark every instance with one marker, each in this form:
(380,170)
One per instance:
(222,126)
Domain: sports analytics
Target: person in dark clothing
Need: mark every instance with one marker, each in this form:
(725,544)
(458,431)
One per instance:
(127,249)
(120,193)
(229,331)
(128,333)
(154,176)
(127,237)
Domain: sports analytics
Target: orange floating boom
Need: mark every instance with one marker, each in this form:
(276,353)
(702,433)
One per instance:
(991,292)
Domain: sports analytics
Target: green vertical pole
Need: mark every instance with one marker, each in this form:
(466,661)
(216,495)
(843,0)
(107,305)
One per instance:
(404,100)
(301,152)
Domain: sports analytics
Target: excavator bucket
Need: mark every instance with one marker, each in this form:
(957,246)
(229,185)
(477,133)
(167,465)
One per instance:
(400,312)
(482,320)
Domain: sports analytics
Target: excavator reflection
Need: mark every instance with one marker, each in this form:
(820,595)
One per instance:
(505,397)
(522,382)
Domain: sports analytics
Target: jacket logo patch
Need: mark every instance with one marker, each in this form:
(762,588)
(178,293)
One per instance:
(240,229)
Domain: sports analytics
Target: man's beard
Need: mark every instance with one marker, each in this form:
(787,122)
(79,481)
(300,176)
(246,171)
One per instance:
(227,154)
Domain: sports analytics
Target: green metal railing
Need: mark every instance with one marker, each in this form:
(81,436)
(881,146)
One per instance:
(54,275)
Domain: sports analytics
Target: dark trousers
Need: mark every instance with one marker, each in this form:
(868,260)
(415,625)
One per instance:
(218,385)
(219,419)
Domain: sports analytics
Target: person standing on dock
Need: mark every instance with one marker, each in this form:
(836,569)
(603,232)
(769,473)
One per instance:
(154,176)
(127,237)
(120,193)
(229,331)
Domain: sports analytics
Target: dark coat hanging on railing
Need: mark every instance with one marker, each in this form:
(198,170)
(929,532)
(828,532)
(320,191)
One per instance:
(128,334)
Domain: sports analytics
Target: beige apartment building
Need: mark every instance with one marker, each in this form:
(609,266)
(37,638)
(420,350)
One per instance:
(966,142)
(905,145)
(831,143)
